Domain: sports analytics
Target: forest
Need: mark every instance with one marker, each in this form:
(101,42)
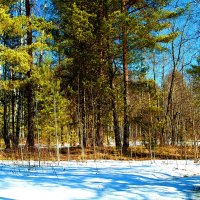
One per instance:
(118,76)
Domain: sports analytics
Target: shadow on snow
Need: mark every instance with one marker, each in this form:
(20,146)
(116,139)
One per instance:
(135,182)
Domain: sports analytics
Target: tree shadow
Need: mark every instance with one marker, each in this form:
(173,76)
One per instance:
(113,182)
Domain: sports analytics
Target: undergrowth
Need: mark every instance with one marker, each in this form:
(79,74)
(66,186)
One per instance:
(105,153)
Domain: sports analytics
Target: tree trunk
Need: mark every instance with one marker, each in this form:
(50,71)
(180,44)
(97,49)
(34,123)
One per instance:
(99,132)
(114,110)
(162,134)
(125,70)
(18,119)
(118,141)
(5,125)
(116,126)
(84,137)
(29,88)
(13,117)
(100,16)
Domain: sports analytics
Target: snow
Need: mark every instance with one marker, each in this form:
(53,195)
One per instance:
(116,180)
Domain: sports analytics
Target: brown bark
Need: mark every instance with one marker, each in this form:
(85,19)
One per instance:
(125,70)
(114,109)
(116,128)
(18,119)
(99,132)
(29,88)
(13,117)
(5,126)
(84,136)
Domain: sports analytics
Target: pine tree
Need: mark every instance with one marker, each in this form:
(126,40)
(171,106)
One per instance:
(100,34)
(17,61)
(139,23)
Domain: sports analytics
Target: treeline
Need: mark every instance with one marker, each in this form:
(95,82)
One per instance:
(77,73)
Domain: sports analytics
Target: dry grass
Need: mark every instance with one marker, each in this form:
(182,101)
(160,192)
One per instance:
(106,153)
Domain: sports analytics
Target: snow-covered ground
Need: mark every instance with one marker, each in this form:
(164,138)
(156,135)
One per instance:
(158,180)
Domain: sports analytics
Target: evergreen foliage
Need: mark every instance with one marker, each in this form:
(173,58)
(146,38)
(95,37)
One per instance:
(80,77)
